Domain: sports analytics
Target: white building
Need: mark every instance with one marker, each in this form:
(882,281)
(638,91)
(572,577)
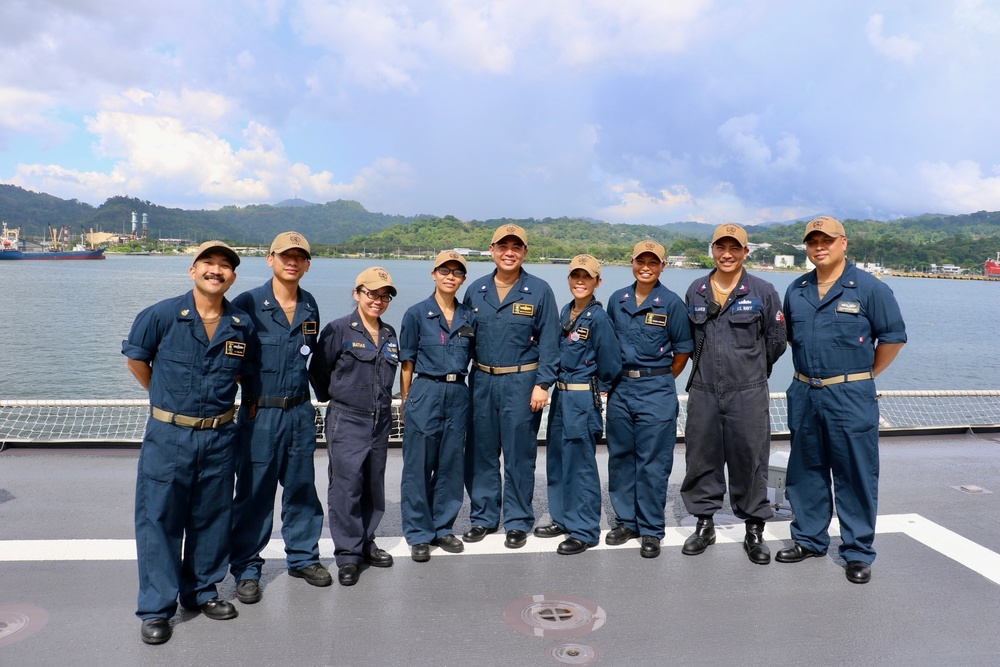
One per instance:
(784,261)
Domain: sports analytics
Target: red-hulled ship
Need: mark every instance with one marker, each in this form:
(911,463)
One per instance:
(11,247)
(992,268)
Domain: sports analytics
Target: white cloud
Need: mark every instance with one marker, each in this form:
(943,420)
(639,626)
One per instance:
(902,48)
(961,187)
(23,111)
(188,161)
(391,43)
(740,136)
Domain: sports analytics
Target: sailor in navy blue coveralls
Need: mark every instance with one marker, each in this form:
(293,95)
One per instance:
(589,358)
(435,342)
(279,441)
(353,368)
(835,315)
(515,361)
(189,352)
(655,337)
(739,333)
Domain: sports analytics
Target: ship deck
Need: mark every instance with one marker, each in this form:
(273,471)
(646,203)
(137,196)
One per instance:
(68,583)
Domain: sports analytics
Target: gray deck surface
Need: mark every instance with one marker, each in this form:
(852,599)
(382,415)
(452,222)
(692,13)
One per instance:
(934,597)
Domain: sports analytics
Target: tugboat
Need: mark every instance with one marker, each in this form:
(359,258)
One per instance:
(992,267)
(11,247)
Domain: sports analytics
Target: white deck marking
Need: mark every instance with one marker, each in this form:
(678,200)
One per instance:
(964,551)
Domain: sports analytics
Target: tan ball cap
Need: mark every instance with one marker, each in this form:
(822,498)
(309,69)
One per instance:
(510,230)
(375,278)
(446,256)
(731,230)
(649,246)
(287,240)
(587,263)
(217,246)
(826,224)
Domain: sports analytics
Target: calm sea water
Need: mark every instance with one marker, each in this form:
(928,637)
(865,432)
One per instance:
(63,322)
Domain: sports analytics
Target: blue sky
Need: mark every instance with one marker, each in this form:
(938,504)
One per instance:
(637,111)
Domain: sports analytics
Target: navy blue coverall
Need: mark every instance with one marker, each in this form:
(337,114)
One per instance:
(355,375)
(435,417)
(728,411)
(834,428)
(642,405)
(279,444)
(589,357)
(523,330)
(184,486)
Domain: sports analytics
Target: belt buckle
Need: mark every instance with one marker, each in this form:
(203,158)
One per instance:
(451,377)
(634,374)
(815,382)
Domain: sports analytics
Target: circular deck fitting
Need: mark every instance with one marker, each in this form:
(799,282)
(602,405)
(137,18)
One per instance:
(554,616)
(573,654)
(19,622)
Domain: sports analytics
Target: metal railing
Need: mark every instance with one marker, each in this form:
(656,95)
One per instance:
(122,422)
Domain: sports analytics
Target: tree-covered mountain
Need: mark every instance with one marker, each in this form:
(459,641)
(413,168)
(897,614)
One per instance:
(549,237)
(345,226)
(333,222)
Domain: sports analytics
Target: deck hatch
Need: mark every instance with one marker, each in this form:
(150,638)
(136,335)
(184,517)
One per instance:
(554,616)
(19,622)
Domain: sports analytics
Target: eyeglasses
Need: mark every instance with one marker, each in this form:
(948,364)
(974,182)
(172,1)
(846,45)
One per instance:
(375,296)
(445,271)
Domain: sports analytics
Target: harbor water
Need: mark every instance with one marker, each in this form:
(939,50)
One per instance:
(63,322)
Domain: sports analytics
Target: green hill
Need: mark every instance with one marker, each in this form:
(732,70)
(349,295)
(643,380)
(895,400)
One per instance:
(345,226)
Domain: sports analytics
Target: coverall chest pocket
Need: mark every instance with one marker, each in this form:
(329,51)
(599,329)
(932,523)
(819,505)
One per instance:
(745,330)
(176,371)
(652,337)
(355,368)
(851,330)
(270,354)
(387,369)
(519,332)
(459,350)
(229,368)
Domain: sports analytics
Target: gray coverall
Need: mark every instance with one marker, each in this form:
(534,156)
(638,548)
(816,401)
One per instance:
(728,420)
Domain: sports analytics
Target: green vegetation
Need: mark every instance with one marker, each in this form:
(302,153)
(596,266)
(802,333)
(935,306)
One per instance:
(346,227)
(559,237)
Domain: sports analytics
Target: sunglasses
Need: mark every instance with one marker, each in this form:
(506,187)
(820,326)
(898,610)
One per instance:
(445,271)
(374,296)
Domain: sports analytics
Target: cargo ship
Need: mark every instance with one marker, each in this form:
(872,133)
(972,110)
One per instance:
(11,247)
(992,267)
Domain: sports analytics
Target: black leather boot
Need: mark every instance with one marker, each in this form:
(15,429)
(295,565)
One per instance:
(701,538)
(754,544)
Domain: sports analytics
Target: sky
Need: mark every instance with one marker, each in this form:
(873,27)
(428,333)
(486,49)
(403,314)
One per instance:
(629,111)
